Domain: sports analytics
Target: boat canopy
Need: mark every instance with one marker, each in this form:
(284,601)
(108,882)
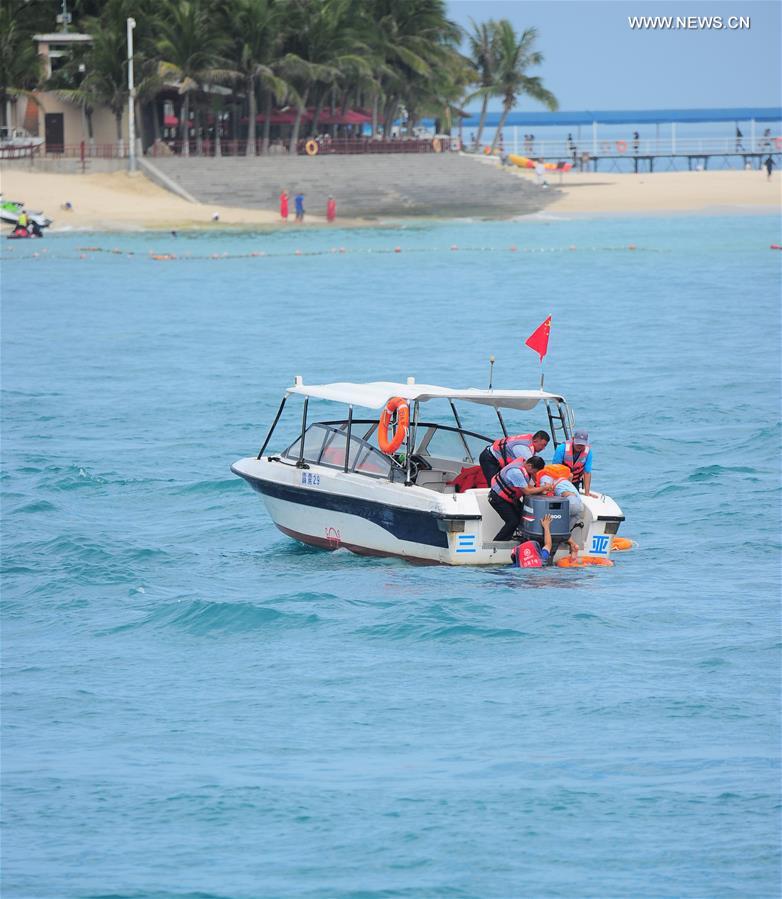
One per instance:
(376,394)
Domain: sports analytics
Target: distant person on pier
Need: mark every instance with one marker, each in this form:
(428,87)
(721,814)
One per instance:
(739,135)
(284,205)
(571,147)
(298,201)
(769,164)
(331,209)
(636,140)
(765,143)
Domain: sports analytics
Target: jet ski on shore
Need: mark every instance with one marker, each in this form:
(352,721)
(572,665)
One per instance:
(10,210)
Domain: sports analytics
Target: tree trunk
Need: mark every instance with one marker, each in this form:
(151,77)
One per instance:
(250,149)
(155,123)
(318,109)
(390,115)
(482,120)
(267,114)
(297,124)
(186,125)
(218,144)
(199,136)
(118,121)
(375,101)
(500,126)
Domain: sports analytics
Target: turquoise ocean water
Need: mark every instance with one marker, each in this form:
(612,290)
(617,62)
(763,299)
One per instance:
(195,706)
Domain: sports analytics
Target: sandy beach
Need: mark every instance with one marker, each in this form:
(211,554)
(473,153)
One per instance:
(121,201)
(664,192)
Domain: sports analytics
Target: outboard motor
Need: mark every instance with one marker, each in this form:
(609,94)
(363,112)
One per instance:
(533,510)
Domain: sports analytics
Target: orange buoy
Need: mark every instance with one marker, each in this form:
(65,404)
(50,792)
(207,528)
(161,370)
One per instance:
(399,405)
(621,146)
(622,543)
(583,562)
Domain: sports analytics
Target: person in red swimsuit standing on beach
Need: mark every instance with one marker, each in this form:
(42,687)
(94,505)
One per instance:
(284,205)
(331,209)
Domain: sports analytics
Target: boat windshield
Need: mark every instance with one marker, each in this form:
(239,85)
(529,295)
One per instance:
(325,442)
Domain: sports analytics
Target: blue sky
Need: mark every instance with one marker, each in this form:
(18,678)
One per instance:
(594,60)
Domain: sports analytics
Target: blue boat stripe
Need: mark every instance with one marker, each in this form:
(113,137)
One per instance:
(405,524)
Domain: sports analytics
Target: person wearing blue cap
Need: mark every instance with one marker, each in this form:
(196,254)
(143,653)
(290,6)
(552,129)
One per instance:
(577,455)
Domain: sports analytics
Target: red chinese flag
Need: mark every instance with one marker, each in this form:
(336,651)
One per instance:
(538,340)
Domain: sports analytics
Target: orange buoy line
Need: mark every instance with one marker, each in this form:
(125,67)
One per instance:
(160,256)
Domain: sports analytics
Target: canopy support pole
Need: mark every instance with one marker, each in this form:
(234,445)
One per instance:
(502,423)
(459,426)
(300,463)
(410,444)
(274,425)
(347,442)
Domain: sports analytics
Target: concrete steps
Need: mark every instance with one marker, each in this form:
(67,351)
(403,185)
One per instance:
(446,184)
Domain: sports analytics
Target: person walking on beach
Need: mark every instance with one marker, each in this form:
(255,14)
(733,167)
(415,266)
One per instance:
(331,209)
(284,205)
(769,164)
(299,204)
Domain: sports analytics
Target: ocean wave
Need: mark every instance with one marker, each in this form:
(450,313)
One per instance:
(204,617)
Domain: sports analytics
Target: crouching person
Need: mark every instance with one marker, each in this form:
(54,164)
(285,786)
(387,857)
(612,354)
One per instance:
(555,486)
(509,487)
(532,555)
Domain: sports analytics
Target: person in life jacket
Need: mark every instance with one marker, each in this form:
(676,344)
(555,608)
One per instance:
(577,455)
(508,487)
(507,449)
(23,221)
(555,486)
(531,554)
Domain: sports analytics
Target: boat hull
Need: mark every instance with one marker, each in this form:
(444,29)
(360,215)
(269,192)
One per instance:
(332,509)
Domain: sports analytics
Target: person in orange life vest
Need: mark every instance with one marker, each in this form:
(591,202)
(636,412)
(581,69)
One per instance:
(577,455)
(564,488)
(507,449)
(507,489)
(532,555)
(331,209)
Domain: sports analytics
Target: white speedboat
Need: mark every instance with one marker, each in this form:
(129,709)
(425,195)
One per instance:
(333,487)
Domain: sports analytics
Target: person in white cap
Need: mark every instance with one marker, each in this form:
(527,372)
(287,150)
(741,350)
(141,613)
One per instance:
(577,455)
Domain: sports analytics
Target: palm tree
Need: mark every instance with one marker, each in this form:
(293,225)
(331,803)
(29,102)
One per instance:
(412,39)
(515,56)
(483,50)
(190,47)
(257,29)
(20,65)
(322,45)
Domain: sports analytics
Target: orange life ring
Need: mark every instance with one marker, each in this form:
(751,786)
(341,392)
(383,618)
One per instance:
(583,562)
(311,147)
(436,145)
(399,405)
(778,142)
(621,146)
(622,543)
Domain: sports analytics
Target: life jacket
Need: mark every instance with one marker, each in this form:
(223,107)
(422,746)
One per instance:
(576,467)
(468,479)
(527,555)
(558,472)
(501,450)
(505,490)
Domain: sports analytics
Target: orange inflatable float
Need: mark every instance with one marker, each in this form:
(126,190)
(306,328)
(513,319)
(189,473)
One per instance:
(622,543)
(584,562)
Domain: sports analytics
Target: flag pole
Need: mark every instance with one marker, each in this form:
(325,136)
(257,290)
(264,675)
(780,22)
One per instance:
(491,370)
